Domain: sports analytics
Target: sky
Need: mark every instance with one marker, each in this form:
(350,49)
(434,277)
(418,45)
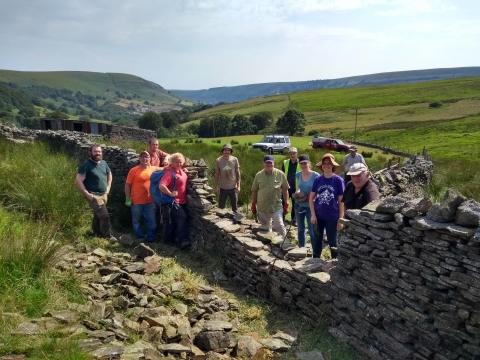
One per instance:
(199,44)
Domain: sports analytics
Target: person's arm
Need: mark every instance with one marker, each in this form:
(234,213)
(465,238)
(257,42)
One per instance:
(341,210)
(285,196)
(311,198)
(166,180)
(128,190)
(238,177)
(81,186)
(109,182)
(217,176)
(254,197)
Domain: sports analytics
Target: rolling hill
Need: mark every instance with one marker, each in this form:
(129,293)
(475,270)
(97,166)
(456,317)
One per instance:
(91,83)
(244,92)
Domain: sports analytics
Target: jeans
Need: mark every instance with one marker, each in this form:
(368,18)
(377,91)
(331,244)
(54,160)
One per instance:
(177,225)
(101,220)
(277,218)
(332,237)
(302,214)
(222,199)
(148,212)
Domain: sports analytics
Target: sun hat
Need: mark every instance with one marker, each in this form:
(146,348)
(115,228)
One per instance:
(145,153)
(293,150)
(303,158)
(268,158)
(352,148)
(331,157)
(357,169)
(227,146)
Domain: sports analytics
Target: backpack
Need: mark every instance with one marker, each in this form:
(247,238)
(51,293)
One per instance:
(155,192)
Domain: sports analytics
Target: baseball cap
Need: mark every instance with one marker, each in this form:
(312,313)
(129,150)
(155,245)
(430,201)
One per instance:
(145,153)
(292,149)
(357,168)
(268,158)
(303,157)
(352,148)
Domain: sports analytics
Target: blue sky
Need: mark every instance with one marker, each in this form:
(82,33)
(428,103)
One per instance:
(197,44)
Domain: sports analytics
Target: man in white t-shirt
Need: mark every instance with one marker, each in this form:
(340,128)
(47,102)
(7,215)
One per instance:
(227,178)
(350,159)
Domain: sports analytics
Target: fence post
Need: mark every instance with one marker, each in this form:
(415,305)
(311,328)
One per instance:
(399,161)
(389,164)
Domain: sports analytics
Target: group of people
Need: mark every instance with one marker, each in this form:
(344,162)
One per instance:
(318,200)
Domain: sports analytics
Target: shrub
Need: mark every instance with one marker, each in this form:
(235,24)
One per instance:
(189,141)
(367,154)
(234,142)
(218,141)
(313,132)
(435,104)
(198,141)
(174,141)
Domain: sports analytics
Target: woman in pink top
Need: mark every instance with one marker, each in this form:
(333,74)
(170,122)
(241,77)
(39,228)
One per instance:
(177,226)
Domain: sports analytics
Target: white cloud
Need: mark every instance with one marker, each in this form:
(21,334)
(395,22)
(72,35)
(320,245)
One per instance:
(415,7)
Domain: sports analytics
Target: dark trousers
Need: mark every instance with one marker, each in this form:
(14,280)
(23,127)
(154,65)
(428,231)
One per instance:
(177,225)
(292,213)
(330,228)
(222,198)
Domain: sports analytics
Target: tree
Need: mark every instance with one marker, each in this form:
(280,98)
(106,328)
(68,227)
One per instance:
(222,125)
(170,120)
(261,120)
(150,120)
(292,123)
(241,126)
(193,129)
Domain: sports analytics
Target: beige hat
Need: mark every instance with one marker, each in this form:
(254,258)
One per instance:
(293,149)
(357,169)
(331,157)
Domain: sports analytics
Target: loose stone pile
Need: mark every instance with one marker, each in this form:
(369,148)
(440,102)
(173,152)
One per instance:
(124,296)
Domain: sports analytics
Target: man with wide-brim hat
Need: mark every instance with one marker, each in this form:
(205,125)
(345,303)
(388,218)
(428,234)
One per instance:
(268,188)
(227,178)
(350,159)
(361,190)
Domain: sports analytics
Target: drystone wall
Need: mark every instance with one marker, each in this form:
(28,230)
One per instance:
(130,133)
(406,283)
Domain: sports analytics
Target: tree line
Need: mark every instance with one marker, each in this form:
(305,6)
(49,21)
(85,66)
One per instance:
(167,124)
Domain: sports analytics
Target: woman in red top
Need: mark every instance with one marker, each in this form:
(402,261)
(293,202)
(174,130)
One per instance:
(177,226)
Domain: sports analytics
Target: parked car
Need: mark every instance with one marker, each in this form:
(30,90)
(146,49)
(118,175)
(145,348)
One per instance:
(319,142)
(274,143)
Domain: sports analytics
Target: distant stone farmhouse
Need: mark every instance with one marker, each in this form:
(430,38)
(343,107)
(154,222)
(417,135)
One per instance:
(96,128)
(89,127)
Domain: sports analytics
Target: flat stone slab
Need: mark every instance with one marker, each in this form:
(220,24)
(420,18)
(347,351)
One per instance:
(28,328)
(99,252)
(214,325)
(65,316)
(107,353)
(274,344)
(321,277)
(424,223)
(174,348)
(312,265)
(298,253)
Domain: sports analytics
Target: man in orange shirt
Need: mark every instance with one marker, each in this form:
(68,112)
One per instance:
(138,197)
(157,156)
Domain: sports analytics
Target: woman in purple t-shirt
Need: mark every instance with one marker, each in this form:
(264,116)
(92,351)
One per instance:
(326,204)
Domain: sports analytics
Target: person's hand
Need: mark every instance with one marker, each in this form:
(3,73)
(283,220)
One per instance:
(128,202)
(174,193)
(89,197)
(108,190)
(339,226)
(286,207)
(313,219)
(217,190)
(254,208)
(237,189)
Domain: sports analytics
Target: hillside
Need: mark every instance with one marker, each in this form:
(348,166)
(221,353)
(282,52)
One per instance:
(244,92)
(91,83)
